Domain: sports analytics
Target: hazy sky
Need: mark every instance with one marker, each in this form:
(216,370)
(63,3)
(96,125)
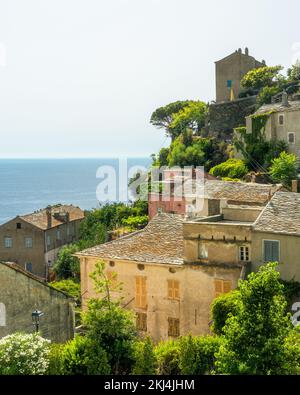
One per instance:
(82,77)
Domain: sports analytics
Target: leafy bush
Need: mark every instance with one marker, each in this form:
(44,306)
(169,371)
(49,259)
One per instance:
(136,222)
(145,360)
(292,352)
(167,355)
(232,168)
(82,356)
(197,354)
(55,366)
(284,168)
(67,265)
(24,354)
(69,286)
(221,309)
(261,77)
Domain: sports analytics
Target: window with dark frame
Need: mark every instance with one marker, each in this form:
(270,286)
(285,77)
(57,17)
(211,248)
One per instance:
(244,254)
(173,327)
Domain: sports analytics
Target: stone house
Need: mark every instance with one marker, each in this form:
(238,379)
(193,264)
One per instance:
(283,123)
(34,240)
(230,72)
(169,290)
(21,293)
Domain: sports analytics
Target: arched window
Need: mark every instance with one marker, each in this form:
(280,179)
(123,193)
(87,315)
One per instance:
(2,314)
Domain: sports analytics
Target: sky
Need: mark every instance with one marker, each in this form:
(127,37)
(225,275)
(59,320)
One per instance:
(81,78)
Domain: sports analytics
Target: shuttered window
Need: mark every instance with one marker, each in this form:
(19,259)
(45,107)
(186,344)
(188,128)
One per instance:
(141,322)
(140,292)
(173,289)
(222,287)
(271,251)
(173,327)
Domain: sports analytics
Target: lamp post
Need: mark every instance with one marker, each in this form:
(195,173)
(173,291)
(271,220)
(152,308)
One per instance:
(36,318)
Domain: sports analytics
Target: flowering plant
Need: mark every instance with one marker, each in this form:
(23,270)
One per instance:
(24,354)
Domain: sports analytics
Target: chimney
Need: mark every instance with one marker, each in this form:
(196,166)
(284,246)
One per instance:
(247,51)
(295,186)
(49,217)
(240,50)
(285,100)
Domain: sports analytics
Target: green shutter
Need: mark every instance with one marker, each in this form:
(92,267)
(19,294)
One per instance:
(271,251)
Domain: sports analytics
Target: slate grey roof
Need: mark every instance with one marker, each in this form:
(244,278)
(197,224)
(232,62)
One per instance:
(278,107)
(161,241)
(281,215)
(237,191)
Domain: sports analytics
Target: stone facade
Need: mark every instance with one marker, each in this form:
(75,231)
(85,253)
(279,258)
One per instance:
(233,68)
(21,293)
(224,117)
(33,242)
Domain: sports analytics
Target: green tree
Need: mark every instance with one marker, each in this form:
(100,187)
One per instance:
(266,94)
(69,286)
(66,265)
(261,77)
(232,168)
(144,356)
(168,356)
(222,308)
(191,117)
(110,326)
(253,341)
(284,168)
(294,72)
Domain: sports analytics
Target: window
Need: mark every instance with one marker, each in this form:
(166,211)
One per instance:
(28,266)
(28,242)
(2,314)
(141,322)
(244,254)
(19,225)
(271,251)
(58,235)
(173,327)
(8,242)
(48,241)
(202,251)
(173,289)
(281,119)
(140,292)
(291,138)
(222,287)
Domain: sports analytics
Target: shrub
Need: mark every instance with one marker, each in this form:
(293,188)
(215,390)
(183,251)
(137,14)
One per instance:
(145,360)
(221,309)
(68,286)
(197,354)
(67,265)
(55,360)
(82,356)
(292,352)
(135,222)
(232,168)
(167,355)
(284,168)
(24,354)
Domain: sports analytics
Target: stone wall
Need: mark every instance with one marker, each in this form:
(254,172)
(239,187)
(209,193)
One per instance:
(224,117)
(21,294)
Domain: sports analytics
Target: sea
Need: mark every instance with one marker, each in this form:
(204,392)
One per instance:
(27,185)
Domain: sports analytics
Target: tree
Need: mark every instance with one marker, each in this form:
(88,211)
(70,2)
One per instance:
(232,168)
(261,77)
(253,341)
(222,308)
(191,117)
(107,324)
(67,266)
(294,72)
(284,168)
(69,286)
(266,94)
(145,360)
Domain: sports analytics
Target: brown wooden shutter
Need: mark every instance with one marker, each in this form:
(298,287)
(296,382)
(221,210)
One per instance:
(226,286)
(218,288)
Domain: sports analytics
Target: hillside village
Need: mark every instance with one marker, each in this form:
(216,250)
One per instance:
(171,262)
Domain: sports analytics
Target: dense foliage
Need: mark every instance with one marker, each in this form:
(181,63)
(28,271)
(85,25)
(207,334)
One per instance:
(232,168)
(222,308)
(69,286)
(66,264)
(284,168)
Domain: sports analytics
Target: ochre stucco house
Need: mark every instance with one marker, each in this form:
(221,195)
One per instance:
(34,240)
(164,283)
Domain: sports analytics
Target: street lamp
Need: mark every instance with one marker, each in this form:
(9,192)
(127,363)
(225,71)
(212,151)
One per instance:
(36,318)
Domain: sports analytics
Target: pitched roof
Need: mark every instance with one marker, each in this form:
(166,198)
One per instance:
(161,241)
(39,218)
(17,268)
(281,215)
(237,191)
(278,107)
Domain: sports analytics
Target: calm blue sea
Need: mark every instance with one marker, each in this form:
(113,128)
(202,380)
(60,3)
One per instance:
(27,185)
